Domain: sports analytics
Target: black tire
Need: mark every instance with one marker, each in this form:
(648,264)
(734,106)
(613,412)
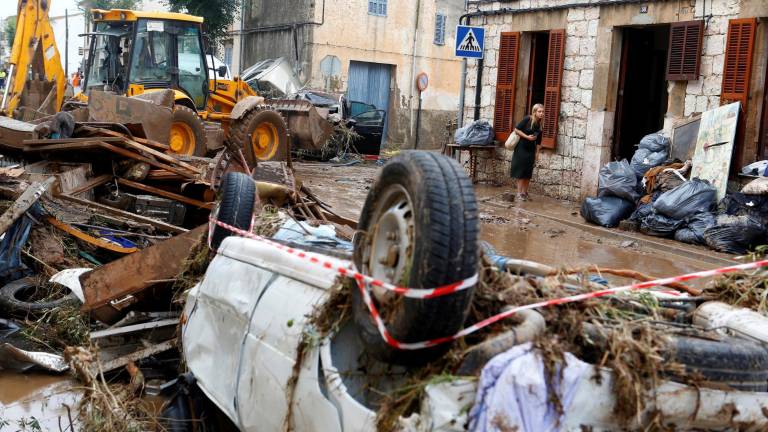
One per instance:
(241,133)
(741,364)
(445,225)
(13,295)
(188,117)
(235,207)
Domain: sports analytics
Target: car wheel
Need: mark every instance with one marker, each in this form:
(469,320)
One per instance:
(418,228)
(16,297)
(235,208)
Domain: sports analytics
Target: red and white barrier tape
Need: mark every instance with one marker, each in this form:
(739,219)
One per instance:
(363,281)
(343,269)
(553,302)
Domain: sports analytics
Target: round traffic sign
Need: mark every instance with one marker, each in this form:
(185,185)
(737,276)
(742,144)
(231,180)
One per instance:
(422,81)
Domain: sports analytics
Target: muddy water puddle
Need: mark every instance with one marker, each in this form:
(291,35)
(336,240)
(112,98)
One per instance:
(29,399)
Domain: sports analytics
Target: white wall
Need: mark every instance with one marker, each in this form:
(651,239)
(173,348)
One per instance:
(77,45)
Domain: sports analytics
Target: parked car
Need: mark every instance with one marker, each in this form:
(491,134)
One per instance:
(248,339)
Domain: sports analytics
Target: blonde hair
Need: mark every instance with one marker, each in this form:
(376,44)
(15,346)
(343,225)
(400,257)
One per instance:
(534,120)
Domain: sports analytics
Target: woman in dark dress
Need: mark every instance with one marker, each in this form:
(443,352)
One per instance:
(529,130)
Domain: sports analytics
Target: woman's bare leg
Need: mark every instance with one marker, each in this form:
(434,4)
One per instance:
(520,185)
(524,185)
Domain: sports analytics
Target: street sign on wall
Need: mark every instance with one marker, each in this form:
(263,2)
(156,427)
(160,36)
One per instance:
(469,41)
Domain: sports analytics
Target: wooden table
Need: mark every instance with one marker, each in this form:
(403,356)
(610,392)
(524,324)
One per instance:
(453,149)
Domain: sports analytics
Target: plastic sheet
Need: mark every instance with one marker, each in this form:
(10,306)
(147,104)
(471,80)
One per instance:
(618,179)
(606,211)
(691,197)
(479,132)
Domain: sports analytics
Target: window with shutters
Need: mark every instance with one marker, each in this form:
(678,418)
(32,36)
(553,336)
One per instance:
(685,40)
(506,78)
(377,7)
(440,29)
(553,80)
(737,69)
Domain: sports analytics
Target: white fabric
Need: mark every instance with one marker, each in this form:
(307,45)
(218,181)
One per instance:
(513,394)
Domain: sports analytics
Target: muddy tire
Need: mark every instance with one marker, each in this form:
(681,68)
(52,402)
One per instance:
(418,228)
(741,364)
(187,132)
(262,134)
(235,208)
(14,298)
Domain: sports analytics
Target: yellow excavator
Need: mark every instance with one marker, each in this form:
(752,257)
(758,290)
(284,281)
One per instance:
(36,80)
(136,52)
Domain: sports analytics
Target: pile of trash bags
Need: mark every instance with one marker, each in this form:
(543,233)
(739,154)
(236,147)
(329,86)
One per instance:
(657,198)
(479,132)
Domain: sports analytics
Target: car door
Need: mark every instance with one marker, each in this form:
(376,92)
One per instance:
(370,126)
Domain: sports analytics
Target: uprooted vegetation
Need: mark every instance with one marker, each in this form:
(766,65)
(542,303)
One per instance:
(624,334)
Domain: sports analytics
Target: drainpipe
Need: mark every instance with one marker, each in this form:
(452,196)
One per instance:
(413,63)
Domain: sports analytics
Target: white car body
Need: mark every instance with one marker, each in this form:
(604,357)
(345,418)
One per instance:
(244,322)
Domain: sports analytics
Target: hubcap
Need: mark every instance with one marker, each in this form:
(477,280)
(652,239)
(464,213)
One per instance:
(264,141)
(391,243)
(182,139)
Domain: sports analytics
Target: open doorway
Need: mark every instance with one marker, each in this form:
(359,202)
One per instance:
(642,96)
(537,70)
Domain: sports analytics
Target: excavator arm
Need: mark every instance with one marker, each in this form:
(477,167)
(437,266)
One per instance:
(35,63)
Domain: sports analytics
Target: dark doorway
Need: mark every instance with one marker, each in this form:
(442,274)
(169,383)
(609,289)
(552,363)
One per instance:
(537,71)
(642,98)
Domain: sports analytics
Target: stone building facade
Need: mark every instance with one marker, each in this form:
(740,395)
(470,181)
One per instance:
(330,43)
(613,78)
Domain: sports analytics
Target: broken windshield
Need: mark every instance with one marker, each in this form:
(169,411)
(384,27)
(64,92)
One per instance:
(109,56)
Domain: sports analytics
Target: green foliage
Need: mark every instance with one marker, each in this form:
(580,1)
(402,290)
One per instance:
(218,15)
(87,5)
(9,31)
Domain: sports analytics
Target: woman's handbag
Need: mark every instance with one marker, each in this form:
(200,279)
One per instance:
(512,141)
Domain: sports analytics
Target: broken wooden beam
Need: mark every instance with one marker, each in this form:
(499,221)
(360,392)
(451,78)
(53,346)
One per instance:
(132,155)
(27,199)
(136,272)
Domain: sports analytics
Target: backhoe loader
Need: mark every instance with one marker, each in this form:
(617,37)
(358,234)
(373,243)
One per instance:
(136,52)
(36,80)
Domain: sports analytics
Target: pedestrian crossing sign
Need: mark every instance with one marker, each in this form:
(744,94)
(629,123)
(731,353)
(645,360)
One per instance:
(470,41)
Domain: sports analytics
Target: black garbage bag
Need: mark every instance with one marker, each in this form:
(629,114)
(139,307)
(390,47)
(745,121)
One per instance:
(735,234)
(479,132)
(694,228)
(618,179)
(658,225)
(644,159)
(739,204)
(691,197)
(641,212)
(606,211)
(655,142)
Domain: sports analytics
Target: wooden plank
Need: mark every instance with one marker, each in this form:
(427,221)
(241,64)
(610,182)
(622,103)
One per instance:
(69,140)
(94,182)
(136,272)
(24,202)
(162,156)
(138,355)
(111,133)
(164,193)
(85,145)
(98,242)
(132,155)
(124,214)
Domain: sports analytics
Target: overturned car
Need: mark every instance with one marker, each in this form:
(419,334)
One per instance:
(283,333)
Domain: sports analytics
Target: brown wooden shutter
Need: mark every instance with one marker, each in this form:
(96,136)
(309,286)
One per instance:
(555,57)
(685,40)
(737,70)
(509,47)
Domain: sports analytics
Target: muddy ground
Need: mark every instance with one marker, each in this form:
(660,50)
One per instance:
(544,230)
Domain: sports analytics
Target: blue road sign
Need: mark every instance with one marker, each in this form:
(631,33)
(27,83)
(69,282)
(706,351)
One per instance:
(470,41)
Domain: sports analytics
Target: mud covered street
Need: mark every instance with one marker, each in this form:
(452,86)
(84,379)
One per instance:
(543,230)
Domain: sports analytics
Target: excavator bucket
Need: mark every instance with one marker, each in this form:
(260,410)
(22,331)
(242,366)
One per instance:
(309,129)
